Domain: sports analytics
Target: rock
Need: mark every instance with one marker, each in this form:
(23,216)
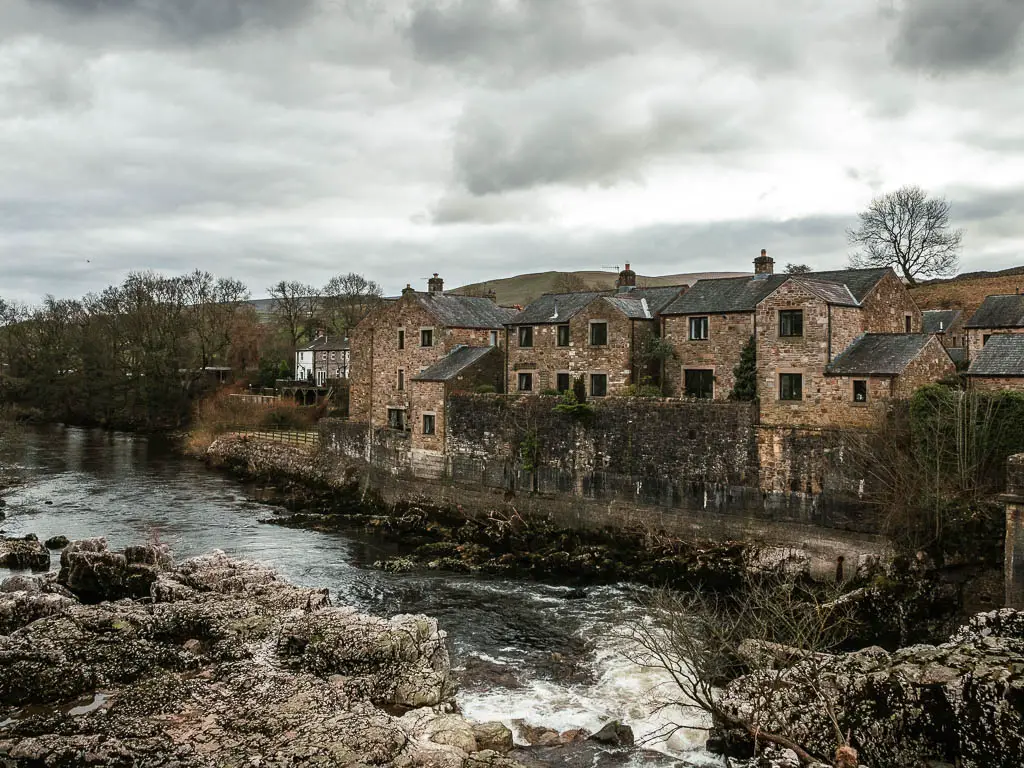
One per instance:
(444,730)
(614,734)
(24,553)
(922,702)
(95,574)
(57,542)
(402,661)
(537,736)
(493,736)
(227,668)
(574,735)
(20,583)
(487,758)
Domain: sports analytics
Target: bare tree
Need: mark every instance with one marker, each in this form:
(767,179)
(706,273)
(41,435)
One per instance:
(348,299)
(296,305)
(909,231)
(797,269)
(769,628)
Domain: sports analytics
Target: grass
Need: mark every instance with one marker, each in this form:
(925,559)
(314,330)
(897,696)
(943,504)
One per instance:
(966,293)
(220,413)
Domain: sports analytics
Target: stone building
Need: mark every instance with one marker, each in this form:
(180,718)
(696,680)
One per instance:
(600,336)
(461,370)
(948,325)
(998,314)
(999,364)
(404,339)
(800,323)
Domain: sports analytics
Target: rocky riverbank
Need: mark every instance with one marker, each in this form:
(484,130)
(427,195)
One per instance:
(127,659)
(959,703)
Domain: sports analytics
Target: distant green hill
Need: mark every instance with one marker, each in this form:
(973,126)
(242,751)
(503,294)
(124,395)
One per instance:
(522,289)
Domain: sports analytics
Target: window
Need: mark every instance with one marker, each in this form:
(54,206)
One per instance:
(700,383)
(494,338)
(791,386)
(563,382)
(860,391)
(401,338)
(401,380)
(332,355)
(396,419)
(698,329)
(907,323)
(525,335)
(791,323)
(598,333)
(526,382)
(427,337)
(598,384)
(321,378)
(428,423)
(563,335)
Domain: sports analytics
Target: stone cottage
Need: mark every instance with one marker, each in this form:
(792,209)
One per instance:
(599,336)
(998,314)
(999,364)
(799,323)
(947,324)
(404,339)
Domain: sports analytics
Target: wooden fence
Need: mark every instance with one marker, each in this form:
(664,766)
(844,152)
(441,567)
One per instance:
(290,436)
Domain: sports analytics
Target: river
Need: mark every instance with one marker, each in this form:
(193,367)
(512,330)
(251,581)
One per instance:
(543,653)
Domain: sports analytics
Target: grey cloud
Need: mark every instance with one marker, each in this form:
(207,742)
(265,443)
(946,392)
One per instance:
(955,35)
(508,38)
(460,208)
(524,142)
(195,20)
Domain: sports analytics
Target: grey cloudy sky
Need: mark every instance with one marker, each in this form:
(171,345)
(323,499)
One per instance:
(270,139)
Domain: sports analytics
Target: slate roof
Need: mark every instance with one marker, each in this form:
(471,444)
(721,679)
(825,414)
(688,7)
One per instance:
(454,311)
(454,363)
(831,293)
(1003,355)
(328,343)
(938,320)
(743,294)
(879,354)
(554,308)
(1006,311)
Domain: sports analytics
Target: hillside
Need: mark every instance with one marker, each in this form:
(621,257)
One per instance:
(522,289)
(967,291)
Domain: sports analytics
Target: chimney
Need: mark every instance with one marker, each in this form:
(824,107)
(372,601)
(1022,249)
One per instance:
(435,284)
(764,264)
(407,290)
(492,295)
(627,280)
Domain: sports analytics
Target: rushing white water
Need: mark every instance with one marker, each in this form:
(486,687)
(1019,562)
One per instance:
(548,655)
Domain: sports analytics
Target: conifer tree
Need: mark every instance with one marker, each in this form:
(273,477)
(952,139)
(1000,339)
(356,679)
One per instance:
(745,373)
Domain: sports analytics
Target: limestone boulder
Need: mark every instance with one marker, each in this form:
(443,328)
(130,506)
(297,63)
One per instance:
(493,736)
(24,554)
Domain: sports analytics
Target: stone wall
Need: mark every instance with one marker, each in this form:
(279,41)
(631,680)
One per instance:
(887,306)
(1014,559)
(720,352)
(692,469)
(931,365)
(996,383)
